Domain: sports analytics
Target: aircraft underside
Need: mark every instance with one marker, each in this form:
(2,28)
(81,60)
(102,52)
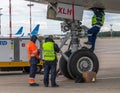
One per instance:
(111,6)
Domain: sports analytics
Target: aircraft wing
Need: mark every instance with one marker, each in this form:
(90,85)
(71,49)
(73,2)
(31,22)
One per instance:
(111,6)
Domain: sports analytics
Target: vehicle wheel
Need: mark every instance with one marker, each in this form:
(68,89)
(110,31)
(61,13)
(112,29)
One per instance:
(81,61)
(63,65)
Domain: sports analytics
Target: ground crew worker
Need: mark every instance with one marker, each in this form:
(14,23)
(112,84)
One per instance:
(50,48)
(58,72)
(33,57)
(97,22)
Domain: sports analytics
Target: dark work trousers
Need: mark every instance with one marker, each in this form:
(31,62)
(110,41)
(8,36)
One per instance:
(33,67)
(92,35)
(50,66)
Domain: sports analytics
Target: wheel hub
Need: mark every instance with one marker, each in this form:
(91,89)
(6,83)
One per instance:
(84,64)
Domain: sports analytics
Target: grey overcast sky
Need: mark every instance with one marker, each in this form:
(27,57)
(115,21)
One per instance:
(20,17)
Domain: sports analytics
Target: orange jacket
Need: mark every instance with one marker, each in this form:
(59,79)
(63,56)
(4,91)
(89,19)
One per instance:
(32,50)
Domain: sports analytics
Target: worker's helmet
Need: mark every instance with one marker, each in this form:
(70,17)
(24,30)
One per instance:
(33,38)
(48,39)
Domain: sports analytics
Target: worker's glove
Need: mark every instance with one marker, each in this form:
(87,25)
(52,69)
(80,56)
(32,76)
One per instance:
(38,60)
(41,59)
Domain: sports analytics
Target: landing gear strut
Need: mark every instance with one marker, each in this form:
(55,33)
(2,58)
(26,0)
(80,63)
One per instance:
(76,59)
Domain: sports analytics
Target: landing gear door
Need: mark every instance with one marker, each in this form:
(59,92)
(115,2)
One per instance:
(62,11)
(65,11)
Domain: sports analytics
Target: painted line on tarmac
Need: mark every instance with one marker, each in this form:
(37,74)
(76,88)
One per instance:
(1,83)
(110,78)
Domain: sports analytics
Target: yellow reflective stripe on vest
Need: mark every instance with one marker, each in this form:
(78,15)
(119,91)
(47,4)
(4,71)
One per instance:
(48,51)
(95,20)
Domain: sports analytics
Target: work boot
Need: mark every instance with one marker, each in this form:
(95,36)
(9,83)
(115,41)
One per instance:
(87,43)
(55,85)
(34,84)
(46,85)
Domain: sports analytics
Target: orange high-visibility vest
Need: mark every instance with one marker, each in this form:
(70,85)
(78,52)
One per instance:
(32,50)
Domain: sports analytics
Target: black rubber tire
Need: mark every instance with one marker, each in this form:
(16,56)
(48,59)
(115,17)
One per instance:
(63,65)
(81,61)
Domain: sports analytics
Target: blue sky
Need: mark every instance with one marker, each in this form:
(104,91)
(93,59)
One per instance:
(20,17)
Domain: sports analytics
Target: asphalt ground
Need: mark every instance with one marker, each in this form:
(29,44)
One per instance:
(108,77)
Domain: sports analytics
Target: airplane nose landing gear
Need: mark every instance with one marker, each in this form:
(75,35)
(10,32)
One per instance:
(76,59)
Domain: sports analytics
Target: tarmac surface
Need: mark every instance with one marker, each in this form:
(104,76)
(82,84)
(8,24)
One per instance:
(108,77)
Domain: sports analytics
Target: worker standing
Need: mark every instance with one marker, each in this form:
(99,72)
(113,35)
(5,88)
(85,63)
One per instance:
(97,22)
(33,57)
(50,48)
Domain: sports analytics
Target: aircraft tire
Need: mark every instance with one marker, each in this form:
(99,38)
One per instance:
(81,61)
(63,65)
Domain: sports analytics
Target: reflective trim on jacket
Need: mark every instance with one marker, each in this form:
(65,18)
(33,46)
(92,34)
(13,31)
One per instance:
(98,20)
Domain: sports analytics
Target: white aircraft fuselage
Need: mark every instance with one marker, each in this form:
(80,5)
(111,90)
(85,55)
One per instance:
(111,6)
